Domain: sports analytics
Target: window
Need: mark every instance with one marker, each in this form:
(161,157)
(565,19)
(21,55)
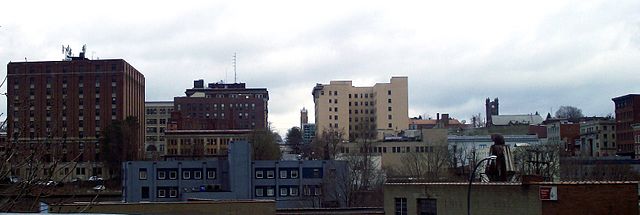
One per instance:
(312,172)
(293,191)
(294,173)
(284,191)
(162,175)
(173,174)
(186,175)
(388,100)
(161,193)
(80,171)
(389,108)
(259,174)
(307,189)
(197,174)
(400,205)
(283,173)
(144,192)
(270,191)
(259,191)
(388,92)
(427,207)
(142,174)
(211,174)
(173,193)
(390,125)
(270,174)
(317,190)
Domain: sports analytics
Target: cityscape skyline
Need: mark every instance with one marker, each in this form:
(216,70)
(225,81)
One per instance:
(454,58)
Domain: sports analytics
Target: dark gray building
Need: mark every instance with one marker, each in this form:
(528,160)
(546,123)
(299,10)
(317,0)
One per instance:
(308,132)
(292,184)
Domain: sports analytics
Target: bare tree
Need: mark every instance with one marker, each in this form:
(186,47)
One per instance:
(365,177)
(593,169)
(458,159)
(429,165)
(294,139)
(31,168)
(264,146)
(326,145)
(477,121)
(118,143)
(569,112)
(361,185)
(539,159)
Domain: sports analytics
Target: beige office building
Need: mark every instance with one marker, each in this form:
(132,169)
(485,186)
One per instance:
(377,111)
(157,114)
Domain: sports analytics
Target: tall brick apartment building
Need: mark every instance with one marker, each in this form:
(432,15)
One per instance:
(61,108)
(627,113)
(207,119)
(221,106)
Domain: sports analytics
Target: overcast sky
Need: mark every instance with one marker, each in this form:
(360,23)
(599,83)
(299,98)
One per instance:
(534,56)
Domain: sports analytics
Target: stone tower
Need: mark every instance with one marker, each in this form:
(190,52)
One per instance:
(304,117)
(491,109)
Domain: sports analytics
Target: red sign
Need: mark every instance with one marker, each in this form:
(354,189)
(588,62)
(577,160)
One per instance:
(548,193)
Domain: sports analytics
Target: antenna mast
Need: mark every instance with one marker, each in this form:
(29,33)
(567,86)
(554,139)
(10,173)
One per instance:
(67,53)
(235,60)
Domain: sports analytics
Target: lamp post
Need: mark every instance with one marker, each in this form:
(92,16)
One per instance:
(471,177)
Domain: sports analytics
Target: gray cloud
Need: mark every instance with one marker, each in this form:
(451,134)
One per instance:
(534,57)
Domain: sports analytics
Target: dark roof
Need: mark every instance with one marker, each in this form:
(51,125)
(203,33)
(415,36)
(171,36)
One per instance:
(625,97)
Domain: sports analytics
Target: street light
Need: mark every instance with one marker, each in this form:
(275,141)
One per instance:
(471,177)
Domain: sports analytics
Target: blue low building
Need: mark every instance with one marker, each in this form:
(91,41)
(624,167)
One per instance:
(293,184)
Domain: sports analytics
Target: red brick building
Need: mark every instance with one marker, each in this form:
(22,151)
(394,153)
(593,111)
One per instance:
(627,113)
(636,137)
(61,108)
(220,106)
(563,132)
(201,144)
(567,198)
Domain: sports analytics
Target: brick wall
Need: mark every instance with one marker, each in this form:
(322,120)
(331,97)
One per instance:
(515,198)
(594,199)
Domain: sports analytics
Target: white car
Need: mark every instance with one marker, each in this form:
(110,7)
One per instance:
(95,178)
(14,179)
(46,183)
(99,188)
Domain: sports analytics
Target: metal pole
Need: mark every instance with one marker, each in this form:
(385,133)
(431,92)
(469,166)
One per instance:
(471,176)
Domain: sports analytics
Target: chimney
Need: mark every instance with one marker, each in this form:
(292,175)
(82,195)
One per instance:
(198,84)
(445,119)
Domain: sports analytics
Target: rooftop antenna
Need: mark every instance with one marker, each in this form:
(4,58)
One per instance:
(67,53)
(235,61)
